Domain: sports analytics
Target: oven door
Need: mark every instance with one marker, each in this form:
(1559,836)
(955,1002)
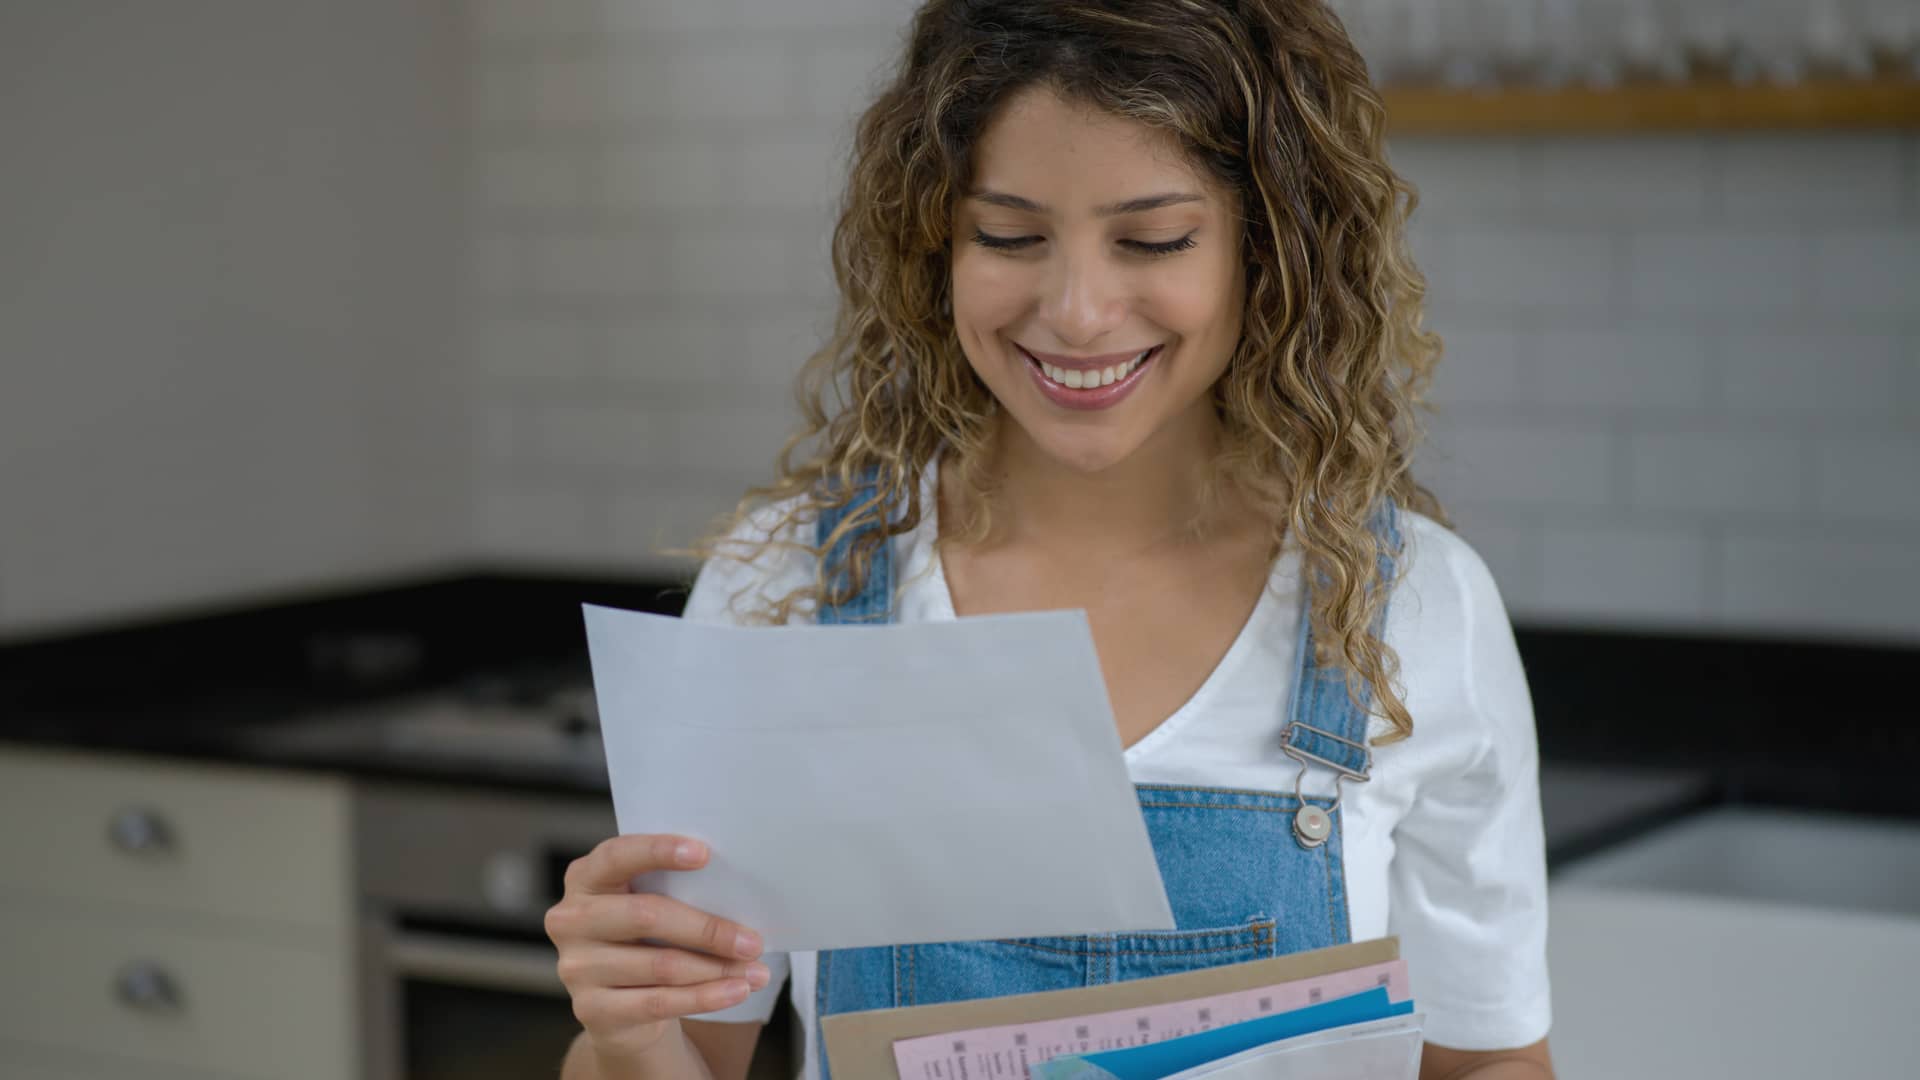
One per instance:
(459,976)
(487,1005)
(474,1005)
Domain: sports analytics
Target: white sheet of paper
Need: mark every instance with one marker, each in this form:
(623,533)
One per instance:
(878,785)
(1386,1049)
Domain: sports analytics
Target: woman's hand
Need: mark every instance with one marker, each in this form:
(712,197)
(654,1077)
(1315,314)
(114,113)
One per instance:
(635,963)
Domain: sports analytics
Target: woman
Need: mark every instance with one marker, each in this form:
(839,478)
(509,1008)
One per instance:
(1127,325)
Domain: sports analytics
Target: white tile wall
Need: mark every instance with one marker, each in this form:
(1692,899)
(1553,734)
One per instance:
(1718,273)
(1524,462)
(1496,368)
(1868,271)
(1854,581)
(1874,479)
(1633,574)
(1822,179)
(227,303)
(1531,270)
(1826,380)
(1619,371)
(1756,362)
(543,521)
(1623,181)
(1682,384)
(1709,471)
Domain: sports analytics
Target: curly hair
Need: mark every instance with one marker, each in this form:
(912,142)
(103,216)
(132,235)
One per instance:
(1318,404)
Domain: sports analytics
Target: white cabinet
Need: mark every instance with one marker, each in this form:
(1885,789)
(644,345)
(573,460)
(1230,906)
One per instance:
(169,919)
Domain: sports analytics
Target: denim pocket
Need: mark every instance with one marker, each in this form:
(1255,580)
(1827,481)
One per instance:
(1166,952)
(963,970)
(959,971)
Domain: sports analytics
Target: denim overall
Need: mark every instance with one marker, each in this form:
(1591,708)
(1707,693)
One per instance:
(1244,880)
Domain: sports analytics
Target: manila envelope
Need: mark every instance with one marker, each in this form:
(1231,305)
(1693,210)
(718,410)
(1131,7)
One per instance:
(860,1044)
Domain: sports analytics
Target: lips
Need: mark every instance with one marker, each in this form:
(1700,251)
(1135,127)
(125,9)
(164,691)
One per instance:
(1055,376)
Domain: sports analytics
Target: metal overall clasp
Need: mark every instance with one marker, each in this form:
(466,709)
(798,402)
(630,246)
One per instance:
(1311,824)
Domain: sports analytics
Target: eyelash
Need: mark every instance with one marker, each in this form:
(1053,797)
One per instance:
(1142,247)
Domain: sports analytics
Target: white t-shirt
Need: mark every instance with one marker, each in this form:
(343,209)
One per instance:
(1443,846)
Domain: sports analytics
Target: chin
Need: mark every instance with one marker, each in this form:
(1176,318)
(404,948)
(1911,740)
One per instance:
(1084,450)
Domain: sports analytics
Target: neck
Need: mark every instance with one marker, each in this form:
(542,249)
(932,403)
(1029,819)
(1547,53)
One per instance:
(1138,503)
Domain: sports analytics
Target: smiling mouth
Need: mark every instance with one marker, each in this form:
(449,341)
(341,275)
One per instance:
(1089,379)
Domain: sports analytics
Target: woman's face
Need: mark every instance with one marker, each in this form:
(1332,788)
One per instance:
(1087,243)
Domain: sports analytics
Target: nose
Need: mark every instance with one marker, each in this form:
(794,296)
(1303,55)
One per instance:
(1085,298)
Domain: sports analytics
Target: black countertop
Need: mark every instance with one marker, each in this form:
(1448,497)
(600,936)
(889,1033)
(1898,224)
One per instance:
(1633,728)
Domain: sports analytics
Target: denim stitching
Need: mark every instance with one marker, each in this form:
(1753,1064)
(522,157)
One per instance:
(1212,790)
(1250,924)
(1263,934)
(1036,946)
(1233,948)
(1136,952)
(1255,809)
(1326,862)
(1090,941)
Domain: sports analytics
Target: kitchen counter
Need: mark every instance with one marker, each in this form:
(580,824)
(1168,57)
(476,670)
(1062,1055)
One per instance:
(218,685)
(1703,721)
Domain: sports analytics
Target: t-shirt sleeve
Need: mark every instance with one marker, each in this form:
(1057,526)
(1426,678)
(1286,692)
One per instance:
(728,587)
(1468,877)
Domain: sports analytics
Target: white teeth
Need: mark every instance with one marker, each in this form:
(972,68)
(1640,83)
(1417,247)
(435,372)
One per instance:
(1075,379)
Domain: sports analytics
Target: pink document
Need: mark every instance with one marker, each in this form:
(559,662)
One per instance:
(1008,1051)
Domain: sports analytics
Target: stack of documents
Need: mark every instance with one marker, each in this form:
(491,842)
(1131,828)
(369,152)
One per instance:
(1343,1012)
(1360,1037)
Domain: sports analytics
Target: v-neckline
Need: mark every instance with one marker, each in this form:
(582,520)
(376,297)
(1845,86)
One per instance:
(942,607)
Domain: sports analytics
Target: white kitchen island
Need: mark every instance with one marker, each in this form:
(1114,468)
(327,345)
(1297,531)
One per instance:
(1741,942)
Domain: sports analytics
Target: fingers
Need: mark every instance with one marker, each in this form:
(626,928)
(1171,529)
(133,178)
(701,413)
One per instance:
(651,917)
(614,1008)
(634,962)
(617,860)
(629,966)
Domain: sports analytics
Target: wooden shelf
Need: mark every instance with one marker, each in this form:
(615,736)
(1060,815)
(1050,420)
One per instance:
(1883,103)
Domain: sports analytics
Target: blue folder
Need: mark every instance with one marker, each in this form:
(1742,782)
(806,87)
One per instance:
(1156,1060)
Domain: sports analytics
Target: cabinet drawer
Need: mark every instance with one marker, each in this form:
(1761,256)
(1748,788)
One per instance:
(211,1003)
(21,1062)
(189,838)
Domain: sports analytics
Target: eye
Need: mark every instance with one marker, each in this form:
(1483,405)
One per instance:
(1167,248)
(1003,243)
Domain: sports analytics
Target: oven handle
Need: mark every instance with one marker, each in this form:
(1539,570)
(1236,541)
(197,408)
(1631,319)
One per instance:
(488,965)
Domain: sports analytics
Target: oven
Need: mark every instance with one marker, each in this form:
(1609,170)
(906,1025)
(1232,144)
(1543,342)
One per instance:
(458,976)
(454,873)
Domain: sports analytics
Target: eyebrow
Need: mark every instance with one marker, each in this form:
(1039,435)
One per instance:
(1130,206)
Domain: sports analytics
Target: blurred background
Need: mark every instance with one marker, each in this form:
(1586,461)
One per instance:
(346,348)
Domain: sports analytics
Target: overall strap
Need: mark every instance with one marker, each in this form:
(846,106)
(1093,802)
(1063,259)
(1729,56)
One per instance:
(874,602)
(1323,722)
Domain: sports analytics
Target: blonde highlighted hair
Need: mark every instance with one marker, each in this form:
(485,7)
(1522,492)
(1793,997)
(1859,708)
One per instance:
(1319,402)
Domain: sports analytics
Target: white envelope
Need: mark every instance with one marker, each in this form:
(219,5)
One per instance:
(879,785)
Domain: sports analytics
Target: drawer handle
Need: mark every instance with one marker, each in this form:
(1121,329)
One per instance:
(139,831)
(147,987)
